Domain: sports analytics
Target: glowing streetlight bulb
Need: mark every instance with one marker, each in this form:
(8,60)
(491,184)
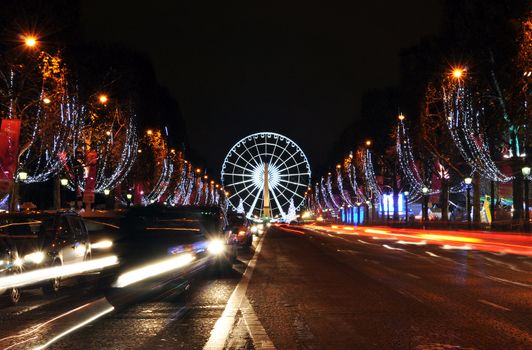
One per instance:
(23,176)
(468,180)
(149,132)
(106,192)
(401,117)
(103,98)
(458,73)
(368,143)
(30,41)
(46,100)
(64,182)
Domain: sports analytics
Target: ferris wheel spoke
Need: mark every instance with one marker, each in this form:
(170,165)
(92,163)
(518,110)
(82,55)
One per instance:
(292,166)
(273,150)
(280,154)
(252,157)
(250,212)
(277,202)
(294,174)
(236,174)
(243,189)
(241,182)
(293,183)
(288,189)
(238,165)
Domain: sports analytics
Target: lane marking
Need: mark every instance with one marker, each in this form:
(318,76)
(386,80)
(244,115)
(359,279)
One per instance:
(224,325)
(494,305)
(502,280)
(254,327)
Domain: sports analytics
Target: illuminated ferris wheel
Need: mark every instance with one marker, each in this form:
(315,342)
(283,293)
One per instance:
(265,173)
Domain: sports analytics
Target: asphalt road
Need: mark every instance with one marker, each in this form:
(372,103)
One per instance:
(304,289)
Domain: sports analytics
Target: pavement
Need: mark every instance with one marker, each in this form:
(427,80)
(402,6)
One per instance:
(304,288)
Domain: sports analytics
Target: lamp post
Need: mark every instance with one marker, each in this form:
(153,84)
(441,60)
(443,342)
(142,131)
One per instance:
(405,196)
(129,196)
(467,182)
(64,182)
(526,173)
(425,209)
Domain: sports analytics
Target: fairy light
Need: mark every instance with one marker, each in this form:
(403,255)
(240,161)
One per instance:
(463,121)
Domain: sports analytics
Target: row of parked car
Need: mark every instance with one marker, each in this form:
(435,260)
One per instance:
(138,237)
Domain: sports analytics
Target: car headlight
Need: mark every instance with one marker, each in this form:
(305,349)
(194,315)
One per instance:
(35,257)
(103,244)
(216,246)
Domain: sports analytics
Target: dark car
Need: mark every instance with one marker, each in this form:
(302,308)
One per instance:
(240,229)
(30,241)
(160,243)
(104,230)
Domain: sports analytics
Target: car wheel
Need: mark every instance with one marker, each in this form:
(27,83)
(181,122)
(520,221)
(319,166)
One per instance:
(52,287)
(14,296)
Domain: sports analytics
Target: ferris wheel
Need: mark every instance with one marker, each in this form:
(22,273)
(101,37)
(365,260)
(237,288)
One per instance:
(266,175)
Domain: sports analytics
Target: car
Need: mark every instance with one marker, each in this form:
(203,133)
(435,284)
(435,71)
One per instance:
(103,227)
(155,235)
(240,229)
(34,240)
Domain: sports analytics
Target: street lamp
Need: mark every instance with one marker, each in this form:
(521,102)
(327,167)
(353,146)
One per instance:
(103,99)
(23,176)
(401,117)
(64,182)
(30,41)
(425,214)
(526,173)
(106,192)
(405,194)
(129,196)
(358,213)
(467,182)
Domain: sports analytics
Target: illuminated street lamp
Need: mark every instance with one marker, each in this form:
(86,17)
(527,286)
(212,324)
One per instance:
(46,101)
(149,132)
(23,176)
(401,117)
(30,41)
(129,196)
(106,192)
(368,143)
(425,213)
(458,73)
(64,182)
(526,173)
(467,182)
(103,99)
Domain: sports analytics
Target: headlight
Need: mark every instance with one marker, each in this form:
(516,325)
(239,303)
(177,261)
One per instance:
(216,247)
(36,257)
(103,244)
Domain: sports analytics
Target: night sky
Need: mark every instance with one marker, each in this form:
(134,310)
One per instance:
(294,67)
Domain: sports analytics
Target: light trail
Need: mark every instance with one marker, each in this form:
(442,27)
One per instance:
(497,242)
(63,271)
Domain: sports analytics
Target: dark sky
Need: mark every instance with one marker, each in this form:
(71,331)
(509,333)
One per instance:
(293,67)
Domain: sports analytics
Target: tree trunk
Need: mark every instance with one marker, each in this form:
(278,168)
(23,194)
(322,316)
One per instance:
(517,191)
(476,199)
(14,198)
(395,197)
(57,193)
(444,200)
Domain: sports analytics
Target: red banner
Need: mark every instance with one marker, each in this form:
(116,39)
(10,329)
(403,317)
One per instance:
(91,159)
(9,138)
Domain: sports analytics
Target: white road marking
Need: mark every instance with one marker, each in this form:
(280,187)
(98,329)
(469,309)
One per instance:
(238,301)
(502,280)
(494,305)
